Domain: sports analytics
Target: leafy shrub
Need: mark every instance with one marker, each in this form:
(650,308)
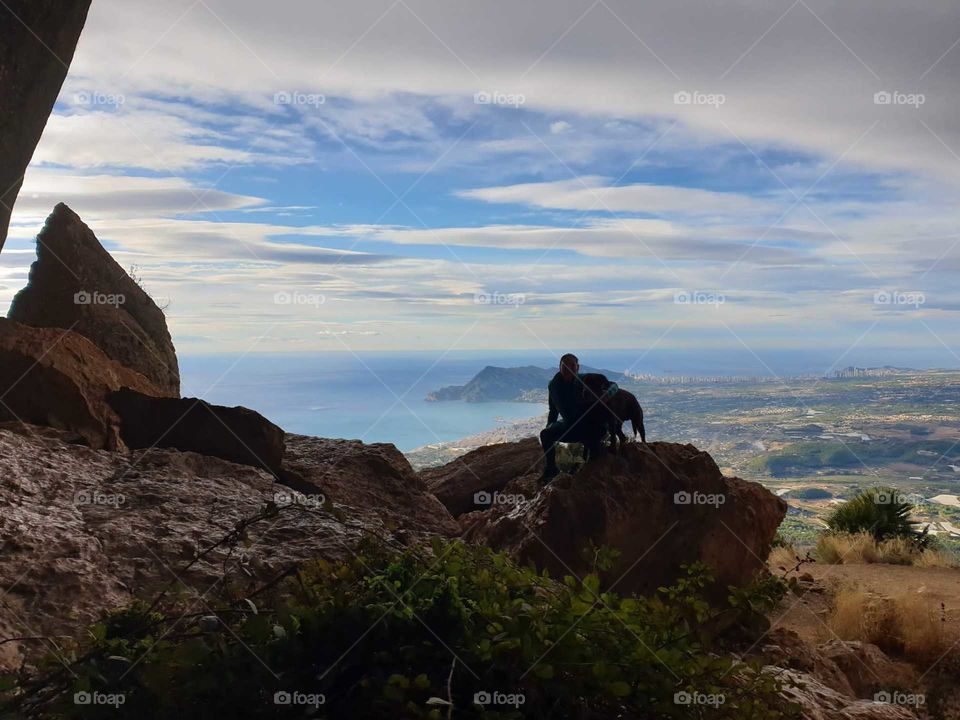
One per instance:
(420,635)
(882,512)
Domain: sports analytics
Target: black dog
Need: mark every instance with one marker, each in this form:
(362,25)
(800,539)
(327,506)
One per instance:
(607,414)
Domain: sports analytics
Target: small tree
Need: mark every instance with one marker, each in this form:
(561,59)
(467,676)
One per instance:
(882,512)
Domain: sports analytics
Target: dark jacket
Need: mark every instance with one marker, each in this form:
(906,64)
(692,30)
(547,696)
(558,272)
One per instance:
(569,399)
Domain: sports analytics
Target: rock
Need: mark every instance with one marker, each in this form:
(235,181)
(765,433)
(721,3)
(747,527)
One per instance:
(867,667)
(76,284)
(39,37)
(819,702)
(83,530)
(484,470)
(785,648)
(60,379)
(237,434)
(661,505)
(369,479)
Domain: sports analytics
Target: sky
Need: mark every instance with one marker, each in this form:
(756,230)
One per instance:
(401,175)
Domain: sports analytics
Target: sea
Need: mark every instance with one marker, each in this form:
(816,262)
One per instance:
(380,397)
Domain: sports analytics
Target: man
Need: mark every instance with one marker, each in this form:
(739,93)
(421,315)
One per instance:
(568,400)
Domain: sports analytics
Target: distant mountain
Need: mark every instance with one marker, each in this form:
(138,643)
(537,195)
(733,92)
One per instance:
(515,384)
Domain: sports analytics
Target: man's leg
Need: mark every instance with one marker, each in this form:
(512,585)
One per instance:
(549,437)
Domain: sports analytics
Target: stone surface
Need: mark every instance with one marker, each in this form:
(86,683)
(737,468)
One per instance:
(39,37)
(486,469)
(819,702)
(59,379)
(661,505)
(373,478)
(231,433)
(75,284)
(83,529)
(867,667)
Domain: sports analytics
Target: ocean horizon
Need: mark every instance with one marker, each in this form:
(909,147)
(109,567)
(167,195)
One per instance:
(380,396)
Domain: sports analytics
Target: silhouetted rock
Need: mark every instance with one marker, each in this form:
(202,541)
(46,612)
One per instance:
(39,37)
(484,470)
(60,379)
(373,478)
(75,284)
(661,505)
(237,434)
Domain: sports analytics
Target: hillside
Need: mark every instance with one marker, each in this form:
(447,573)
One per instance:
(514,384)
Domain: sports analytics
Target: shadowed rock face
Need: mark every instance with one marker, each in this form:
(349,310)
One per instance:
(39,37)
(60,379)
(662,505)
(75,284)
(237,434)
(487,469)
(83,530)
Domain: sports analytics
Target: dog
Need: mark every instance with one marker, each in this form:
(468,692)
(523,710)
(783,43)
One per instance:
(607,414)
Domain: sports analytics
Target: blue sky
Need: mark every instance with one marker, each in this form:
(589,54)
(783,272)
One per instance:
(297,176)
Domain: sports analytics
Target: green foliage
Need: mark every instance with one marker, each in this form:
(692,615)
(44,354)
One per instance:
(420,635)
(882,512)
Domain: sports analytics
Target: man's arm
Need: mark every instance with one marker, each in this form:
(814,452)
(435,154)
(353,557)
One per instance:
(552,411)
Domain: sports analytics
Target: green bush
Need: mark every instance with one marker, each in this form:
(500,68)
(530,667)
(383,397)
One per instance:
(420,635)
(882,512)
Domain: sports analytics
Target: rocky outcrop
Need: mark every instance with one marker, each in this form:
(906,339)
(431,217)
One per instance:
(75,284)
(484,470)
(39,37)
(368,478)
(83,530)
(819,702)
(661,505)
(60,379)
(237,434)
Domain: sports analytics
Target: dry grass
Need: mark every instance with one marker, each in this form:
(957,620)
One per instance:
(860,548)
(908,625)
(840,548)
(782,558)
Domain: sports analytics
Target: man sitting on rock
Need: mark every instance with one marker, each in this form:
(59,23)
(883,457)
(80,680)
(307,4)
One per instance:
(568,399)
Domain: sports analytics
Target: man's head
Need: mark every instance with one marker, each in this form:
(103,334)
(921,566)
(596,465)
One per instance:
(569,366)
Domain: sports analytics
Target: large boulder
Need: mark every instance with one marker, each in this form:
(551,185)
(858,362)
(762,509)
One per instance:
(39,37)
(463,484)
(237,434)
(75,284)
(60,379)
(819,702)
(661,505)
(84,530)
(368,478)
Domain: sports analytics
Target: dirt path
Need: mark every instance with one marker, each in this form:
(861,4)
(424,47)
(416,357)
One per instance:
(808,615)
